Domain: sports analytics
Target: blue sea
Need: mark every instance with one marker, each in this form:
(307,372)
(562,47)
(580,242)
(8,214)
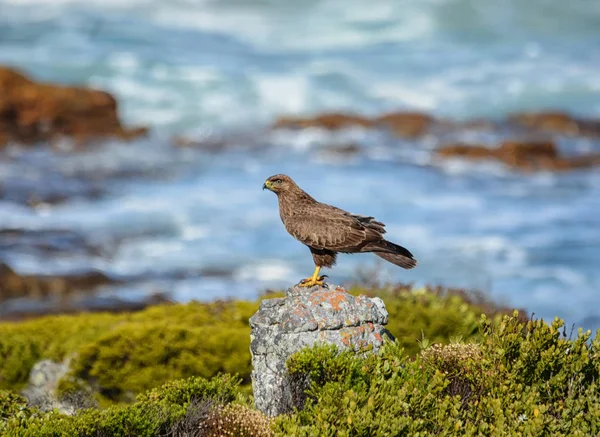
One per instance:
(195,224)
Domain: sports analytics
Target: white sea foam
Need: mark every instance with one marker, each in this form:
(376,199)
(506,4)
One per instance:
(266,271)
(283,94)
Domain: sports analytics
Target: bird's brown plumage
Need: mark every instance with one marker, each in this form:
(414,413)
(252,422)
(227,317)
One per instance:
(328,230)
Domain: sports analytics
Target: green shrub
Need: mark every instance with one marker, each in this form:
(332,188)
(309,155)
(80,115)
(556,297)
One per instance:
(13,410)
(183,392)
(521,378)
(135,358)
(121,355)
(464,366)
(524,378)
(156,413)
(131,352)
(53,337)
(11,404)
(436,314)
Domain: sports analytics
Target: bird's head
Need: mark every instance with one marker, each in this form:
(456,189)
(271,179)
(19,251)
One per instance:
(279,183)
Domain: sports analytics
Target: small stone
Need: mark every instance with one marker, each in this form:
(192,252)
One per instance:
(43,380)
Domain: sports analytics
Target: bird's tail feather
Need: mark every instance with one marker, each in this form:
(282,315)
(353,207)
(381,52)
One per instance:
(395,254)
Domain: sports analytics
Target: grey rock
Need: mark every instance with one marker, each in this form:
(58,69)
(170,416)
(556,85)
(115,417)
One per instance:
(43,380)
(305,317)
(41,390)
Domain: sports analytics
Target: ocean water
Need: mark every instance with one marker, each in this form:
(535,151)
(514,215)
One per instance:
(197,225)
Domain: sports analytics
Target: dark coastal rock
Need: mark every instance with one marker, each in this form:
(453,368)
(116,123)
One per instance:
(403,124)
(522,155)
(14,285)
(406,124)
(469,151)
(556,121)
(77,304)
(32,112)
(529,155)
(24,296)
(410,124)
(340,151)
(305,317)
(217,141)
(49,242)
(329,121)
(207,144)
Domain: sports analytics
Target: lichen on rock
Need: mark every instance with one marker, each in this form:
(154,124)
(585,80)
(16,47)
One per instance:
(304,318)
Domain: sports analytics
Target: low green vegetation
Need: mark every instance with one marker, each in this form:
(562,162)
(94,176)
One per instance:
(121,355)
(436,314)
(183,407)
(520,378)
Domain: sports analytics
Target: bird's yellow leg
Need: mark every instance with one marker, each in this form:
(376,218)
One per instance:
(314,280)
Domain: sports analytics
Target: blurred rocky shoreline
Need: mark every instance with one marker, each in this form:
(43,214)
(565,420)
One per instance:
(68,119)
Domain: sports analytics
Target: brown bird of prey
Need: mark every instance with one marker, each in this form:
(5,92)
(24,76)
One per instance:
(327,230)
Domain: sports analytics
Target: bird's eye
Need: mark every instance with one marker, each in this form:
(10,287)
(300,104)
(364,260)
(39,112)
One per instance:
(277,181)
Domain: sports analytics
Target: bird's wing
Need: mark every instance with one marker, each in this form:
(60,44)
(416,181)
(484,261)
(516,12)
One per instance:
(323,226)
(370,222)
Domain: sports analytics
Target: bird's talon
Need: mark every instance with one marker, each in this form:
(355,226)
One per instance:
(311,282)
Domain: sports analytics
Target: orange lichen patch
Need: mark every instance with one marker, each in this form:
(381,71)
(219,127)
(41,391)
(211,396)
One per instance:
(366,328)
(329,121)
(346,337)
(527,156)
(302,313)
(33,112)
(318,297)
(406,124)
(359,336)
(336,299)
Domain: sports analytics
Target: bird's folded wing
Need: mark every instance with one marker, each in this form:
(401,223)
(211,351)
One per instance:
(370,222)
(335,230)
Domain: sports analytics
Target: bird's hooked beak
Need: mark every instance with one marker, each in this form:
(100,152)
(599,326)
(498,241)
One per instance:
(267,185)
